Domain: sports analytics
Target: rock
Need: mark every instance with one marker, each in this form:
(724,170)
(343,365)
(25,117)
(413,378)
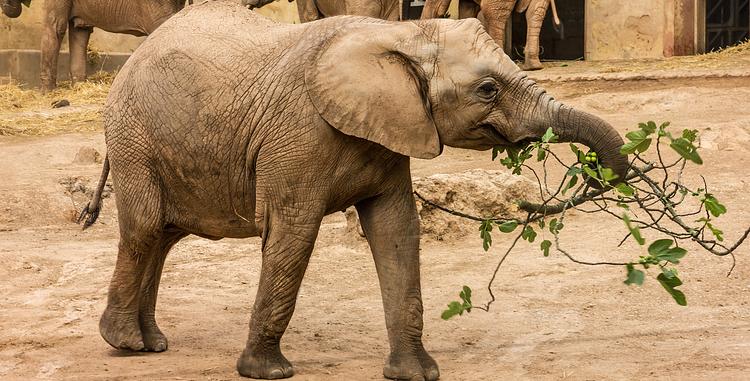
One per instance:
(60,103)
(87,155)
(477,192)
(481,193)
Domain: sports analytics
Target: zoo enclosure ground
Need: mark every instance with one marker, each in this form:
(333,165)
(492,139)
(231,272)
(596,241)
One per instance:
(553,320)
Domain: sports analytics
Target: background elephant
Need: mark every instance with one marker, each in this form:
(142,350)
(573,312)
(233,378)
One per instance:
(494,15)
(311,10)
(226,124)
(79,17)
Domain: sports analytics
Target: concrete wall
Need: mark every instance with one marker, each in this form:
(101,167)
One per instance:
(624,29)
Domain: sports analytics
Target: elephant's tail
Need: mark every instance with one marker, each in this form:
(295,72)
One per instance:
(91,212)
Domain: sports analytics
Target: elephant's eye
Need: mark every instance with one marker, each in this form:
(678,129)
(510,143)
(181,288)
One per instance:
(487,90)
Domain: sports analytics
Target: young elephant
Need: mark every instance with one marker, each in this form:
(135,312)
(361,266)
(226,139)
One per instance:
(79,17)
(226,124)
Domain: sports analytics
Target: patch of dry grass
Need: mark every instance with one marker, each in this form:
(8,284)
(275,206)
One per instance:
(26,112)
(728,57)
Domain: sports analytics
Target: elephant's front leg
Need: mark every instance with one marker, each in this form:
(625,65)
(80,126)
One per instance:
(55,23)
(288,235)
(392,229)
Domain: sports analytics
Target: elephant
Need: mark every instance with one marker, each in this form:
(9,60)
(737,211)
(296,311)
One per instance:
(79,17)
(311,10)
(226,124)
(494,14)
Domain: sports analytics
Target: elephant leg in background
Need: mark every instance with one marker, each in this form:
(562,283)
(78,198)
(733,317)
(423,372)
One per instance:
(496,13)
(153,339)
(55,23)
(308,11)
(435,9)
(392,229)
(534,19)
(78,40)
(288,235)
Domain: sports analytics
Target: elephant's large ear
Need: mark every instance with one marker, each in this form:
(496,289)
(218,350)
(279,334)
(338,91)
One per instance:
(368,81)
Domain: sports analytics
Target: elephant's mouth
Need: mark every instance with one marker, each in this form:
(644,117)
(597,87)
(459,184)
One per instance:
(498,138)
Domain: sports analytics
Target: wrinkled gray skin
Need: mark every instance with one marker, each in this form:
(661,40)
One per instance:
(311,10)
(226,124)
(79,17)
(11,8)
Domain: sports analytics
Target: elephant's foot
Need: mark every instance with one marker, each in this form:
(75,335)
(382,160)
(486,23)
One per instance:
(153,339)
(410,366)
(268,364)
(531,64)
(121,330)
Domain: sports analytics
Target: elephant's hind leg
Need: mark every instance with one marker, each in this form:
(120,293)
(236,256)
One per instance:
(153,339)
(143,244)
(288,235)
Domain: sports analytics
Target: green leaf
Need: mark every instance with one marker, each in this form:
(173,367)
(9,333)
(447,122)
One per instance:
(625,189)
(634,276)
(639,141)
(671,284)
(465,295)
(714,230)
(634,231)
(713,205)
(574,148)
(507,226)
(669,272)
(454,308)
(541,154)
(686,149)
(549,136)
(555,227)
(573,181)
(528,233)
(608,174)
(27,3)
(660,250)
(546,244)
(484,233)
(690,135)
(590,172)
(648,127)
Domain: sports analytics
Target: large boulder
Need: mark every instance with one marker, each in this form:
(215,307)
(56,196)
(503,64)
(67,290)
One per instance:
(477,192)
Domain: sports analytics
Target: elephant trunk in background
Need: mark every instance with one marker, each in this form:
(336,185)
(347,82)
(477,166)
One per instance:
(542,111)
(11,8)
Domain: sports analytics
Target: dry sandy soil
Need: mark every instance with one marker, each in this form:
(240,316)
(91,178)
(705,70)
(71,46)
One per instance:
(553,319)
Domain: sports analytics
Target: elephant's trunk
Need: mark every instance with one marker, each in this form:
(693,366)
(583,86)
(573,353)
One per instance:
(11,8)
(570,125)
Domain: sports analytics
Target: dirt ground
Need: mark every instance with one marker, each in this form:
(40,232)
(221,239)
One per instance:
(553,320)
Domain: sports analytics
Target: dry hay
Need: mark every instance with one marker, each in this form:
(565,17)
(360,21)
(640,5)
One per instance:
(728,57)
(26,112)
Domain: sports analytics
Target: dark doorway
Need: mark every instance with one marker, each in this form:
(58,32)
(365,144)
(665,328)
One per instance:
(727,23)
(553,46)
(411,9)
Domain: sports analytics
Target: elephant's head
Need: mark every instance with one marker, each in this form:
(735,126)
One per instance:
(11,8)
(414,87)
